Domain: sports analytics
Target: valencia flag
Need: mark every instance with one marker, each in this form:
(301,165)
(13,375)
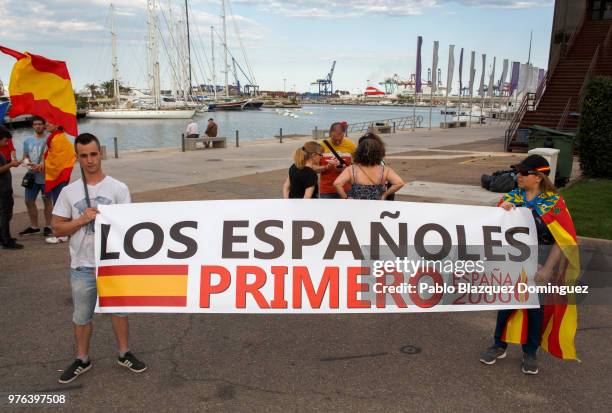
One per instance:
(42,87)
(142,285)
(560,312)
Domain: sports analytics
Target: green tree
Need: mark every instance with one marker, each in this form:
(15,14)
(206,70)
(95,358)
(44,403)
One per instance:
(595,129)
(107,88)
(93,88)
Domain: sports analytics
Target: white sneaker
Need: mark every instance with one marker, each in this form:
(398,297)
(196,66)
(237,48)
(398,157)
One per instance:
(55,240)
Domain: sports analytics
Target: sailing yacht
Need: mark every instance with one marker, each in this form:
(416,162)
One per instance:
(227,102)
(156,112)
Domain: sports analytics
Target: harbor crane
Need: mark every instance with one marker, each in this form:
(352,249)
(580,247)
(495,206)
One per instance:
(250,88)
(326,87)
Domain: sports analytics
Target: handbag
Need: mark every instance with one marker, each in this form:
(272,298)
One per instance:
(30,177)
(28,180)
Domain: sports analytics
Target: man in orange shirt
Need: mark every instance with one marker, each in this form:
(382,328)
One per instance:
(334,165)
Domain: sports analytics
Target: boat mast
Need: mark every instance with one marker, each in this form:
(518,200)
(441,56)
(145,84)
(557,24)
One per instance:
(212,51)
(154,82)
(225,68)
(183,48)
(173,29)
(188,49)
(114,61)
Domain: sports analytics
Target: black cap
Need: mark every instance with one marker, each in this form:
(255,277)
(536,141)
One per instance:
(535,163)
(210,119)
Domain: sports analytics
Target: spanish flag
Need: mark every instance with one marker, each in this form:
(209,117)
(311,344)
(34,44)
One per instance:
(142,285)
(560,312)
(42,87)
(59,160)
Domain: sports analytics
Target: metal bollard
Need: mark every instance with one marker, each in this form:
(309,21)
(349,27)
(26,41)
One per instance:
(281,135)
(237,139)
(393,127)
(182,142)
(316,133)
(116,147)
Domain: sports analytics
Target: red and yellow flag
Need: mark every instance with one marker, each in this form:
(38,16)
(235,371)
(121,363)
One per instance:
(560,312)
(59,160)
(42,87)
(142,285)
(561,317)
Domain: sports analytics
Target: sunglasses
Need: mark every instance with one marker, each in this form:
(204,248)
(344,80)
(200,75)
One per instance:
(526,171)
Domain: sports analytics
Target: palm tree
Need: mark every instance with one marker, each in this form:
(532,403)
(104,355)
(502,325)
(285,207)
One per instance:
(92,89)
(107,87)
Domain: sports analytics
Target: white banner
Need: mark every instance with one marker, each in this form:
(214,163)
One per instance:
(450,68)
(502,79)
(472,72)
(434,67)
(316,256)
(492,80)
(482,76)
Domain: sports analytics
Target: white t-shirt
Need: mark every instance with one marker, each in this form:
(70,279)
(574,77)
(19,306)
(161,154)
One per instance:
(192,129)
(71,204)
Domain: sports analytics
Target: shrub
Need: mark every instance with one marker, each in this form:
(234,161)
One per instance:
(595,129)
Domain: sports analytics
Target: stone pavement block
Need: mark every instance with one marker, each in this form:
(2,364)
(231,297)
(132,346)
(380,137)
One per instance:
(450,192)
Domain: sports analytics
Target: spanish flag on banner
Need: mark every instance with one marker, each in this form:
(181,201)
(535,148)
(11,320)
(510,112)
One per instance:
(142,285)
(59,160)
(560,313)
(42,87)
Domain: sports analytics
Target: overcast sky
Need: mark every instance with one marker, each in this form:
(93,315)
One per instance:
(296,40)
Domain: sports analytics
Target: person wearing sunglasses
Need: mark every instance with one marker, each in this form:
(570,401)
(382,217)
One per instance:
(368,174)
(537,192)
(302,181)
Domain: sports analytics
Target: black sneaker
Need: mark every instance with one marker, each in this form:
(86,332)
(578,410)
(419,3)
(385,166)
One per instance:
(131,362)
(74,370)
(47,232)
(30,231)
(530,364)
(12,246)
(491,355)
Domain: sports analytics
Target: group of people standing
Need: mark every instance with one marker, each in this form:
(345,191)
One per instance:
(347,171)
(49,157)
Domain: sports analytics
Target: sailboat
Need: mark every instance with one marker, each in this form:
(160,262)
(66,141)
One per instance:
(227,103)
(154,81)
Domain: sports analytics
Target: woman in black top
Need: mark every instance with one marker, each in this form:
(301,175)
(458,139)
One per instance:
(302,181)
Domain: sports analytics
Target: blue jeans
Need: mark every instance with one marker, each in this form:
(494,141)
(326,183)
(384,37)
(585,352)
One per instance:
(84,294)
(535,318)
(55,192)
(335,195)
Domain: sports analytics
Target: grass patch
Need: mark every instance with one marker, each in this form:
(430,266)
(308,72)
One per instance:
(590,204)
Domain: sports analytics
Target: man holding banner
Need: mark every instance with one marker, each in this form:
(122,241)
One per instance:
(74,215)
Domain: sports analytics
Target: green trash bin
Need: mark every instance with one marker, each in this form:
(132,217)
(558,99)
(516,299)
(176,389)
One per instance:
(541,137)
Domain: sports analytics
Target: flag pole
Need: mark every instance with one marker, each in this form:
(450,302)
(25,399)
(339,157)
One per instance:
(84,179)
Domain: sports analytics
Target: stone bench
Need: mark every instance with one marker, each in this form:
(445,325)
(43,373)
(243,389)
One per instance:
(191,144)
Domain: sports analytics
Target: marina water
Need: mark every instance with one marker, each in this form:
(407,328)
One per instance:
(260,124)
